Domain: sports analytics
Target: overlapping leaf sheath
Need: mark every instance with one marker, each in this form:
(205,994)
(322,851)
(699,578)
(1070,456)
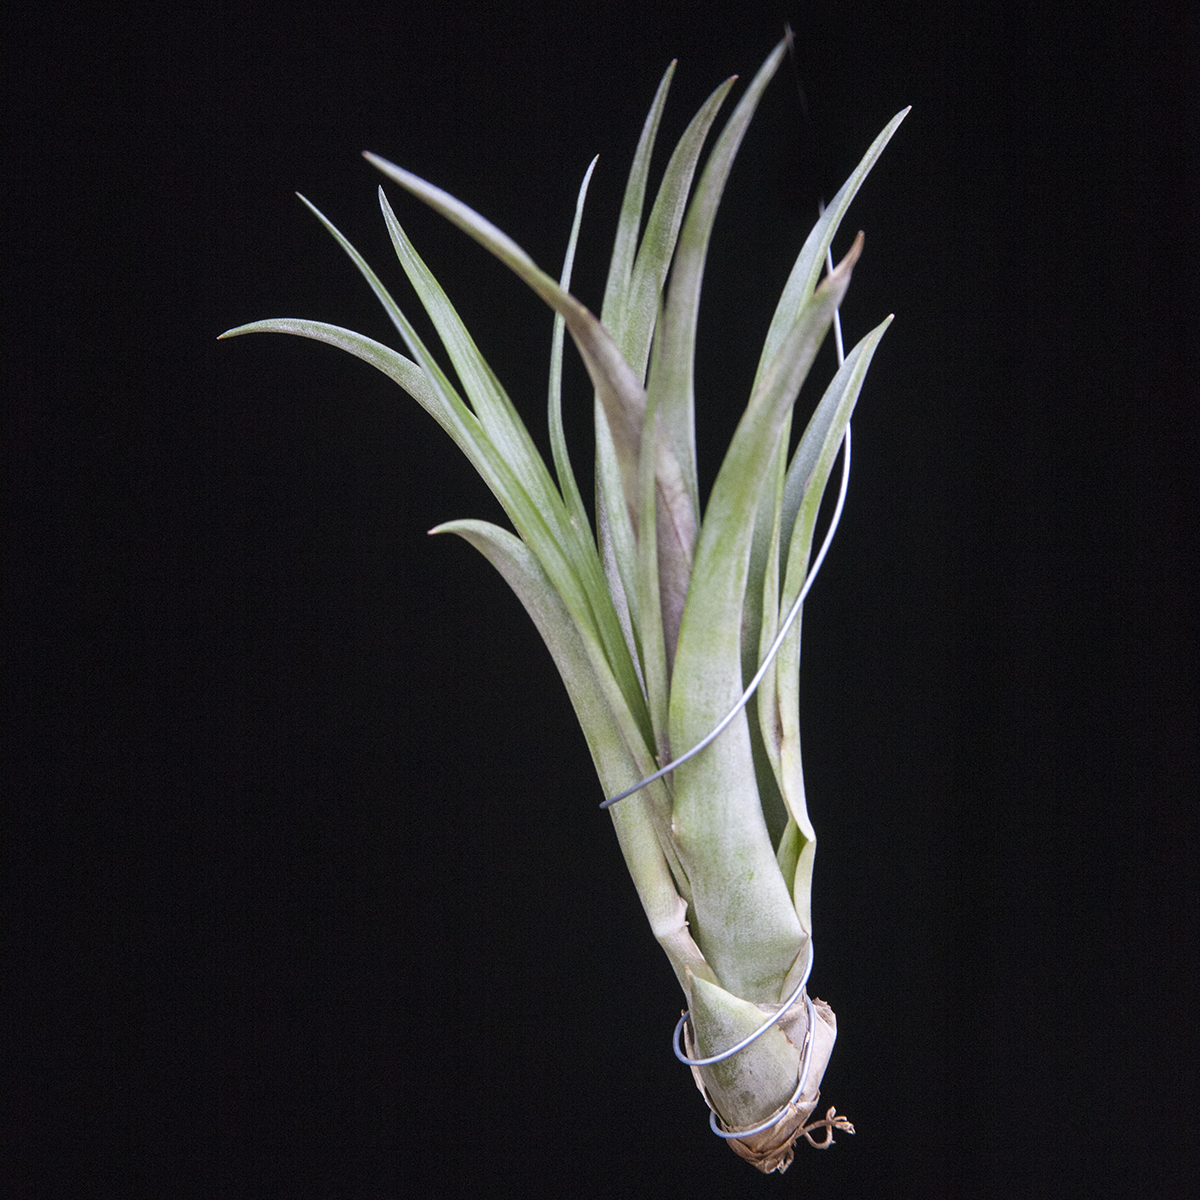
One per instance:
(656,620)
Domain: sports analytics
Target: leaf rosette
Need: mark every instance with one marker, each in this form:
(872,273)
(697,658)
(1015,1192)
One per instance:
(658,617)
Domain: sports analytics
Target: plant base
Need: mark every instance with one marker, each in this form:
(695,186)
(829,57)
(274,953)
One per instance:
(772,1150)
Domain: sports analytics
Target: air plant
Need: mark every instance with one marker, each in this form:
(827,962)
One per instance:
(659,620)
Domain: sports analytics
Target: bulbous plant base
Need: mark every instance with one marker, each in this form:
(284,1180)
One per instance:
(772,1149)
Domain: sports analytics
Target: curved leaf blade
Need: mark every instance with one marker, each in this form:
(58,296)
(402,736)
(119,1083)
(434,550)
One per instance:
(806,270)
(620,390)
(597,704)
(745,922)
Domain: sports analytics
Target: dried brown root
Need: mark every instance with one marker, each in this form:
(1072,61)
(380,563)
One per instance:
(829,1123)
(772,1150)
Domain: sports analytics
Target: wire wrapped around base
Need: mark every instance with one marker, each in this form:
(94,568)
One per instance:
(771,1148)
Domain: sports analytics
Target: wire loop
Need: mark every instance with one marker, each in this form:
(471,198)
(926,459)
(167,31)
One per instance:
(769,657)
(793,613)
(780,1113)
(746,1041)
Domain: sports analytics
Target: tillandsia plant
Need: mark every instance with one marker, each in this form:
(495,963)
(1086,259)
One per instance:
(659,620)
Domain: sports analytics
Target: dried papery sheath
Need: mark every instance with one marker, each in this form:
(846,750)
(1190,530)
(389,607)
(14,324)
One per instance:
(659,618)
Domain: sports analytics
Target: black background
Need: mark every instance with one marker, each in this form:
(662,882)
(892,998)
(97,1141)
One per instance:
(307,892)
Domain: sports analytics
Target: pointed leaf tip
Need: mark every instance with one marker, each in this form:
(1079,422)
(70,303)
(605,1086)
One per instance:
(840,276)
(854,253)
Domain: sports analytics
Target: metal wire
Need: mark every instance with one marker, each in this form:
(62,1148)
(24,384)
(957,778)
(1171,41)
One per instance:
(714,1122)
(793,612)
(805,1057)
(779,1114)
(707,1062)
